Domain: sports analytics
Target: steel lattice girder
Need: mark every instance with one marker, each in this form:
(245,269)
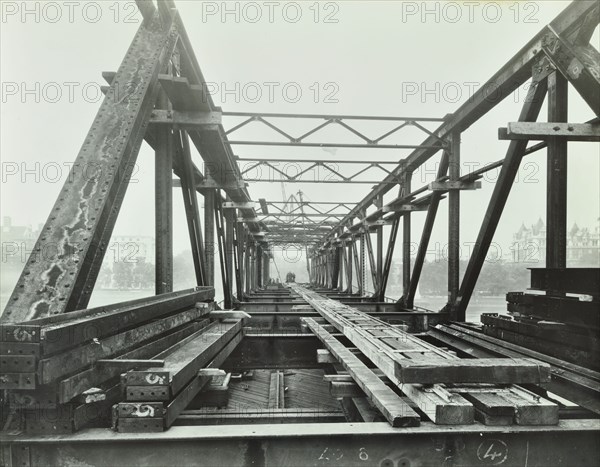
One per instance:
(60,274)
(512,75)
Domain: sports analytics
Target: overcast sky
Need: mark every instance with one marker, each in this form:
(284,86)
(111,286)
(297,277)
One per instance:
(365,58)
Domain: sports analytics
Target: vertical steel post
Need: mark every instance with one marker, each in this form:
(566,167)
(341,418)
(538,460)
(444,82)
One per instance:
(163,203)
(259,266)
(209,235)
(379,253)
(556,190)
(362,266)
(454,223)
(230,221)
(349,266)
(225,271)
(406,246)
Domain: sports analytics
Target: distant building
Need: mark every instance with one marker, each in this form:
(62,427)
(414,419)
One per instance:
(583,247)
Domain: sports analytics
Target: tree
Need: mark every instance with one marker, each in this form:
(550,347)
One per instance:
(183,271)
(105,276)
(143,274)
(123,275)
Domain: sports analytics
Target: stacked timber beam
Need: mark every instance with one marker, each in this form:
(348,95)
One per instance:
(154,397)
(556,321)
(62,372)
(573,382)
(445,388)
(559,315)
(562,303)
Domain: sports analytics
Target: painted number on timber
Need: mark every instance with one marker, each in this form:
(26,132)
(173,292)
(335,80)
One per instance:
(492,452)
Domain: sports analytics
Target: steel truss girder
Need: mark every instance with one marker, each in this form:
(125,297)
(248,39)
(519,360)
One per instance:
(313,171)
(512,75)
(82,219)
(510,166)
(328,120)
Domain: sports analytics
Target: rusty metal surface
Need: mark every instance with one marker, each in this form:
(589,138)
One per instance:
(60,274)
(339,444)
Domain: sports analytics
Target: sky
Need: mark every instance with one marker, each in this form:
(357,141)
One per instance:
(420,59)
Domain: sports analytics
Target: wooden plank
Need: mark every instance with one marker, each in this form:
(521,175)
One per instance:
(566,310)
(183,95)
(544,131)
(428,364)
(556,332)
(570,381)
(396,411)
(532,409)
(484,370)
(554,349)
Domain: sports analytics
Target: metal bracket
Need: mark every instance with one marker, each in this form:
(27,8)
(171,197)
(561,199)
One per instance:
(234,205)
(456,185)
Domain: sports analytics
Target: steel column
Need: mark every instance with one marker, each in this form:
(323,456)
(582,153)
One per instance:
(454,223)
(349,261)
(230,219)
(363,265)
(406,246)
(163,205)
(209,235)
(372,264)
(225,271)
(556,189)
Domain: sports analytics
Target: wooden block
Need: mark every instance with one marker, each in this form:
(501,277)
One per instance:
(532,409)
(462,370)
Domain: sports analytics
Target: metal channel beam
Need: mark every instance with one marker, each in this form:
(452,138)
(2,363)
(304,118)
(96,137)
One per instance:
(333,443)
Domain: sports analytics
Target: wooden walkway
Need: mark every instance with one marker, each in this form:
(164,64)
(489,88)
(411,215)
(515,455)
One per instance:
(447,389)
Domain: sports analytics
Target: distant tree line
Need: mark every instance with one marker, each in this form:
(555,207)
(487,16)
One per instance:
(496,278)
